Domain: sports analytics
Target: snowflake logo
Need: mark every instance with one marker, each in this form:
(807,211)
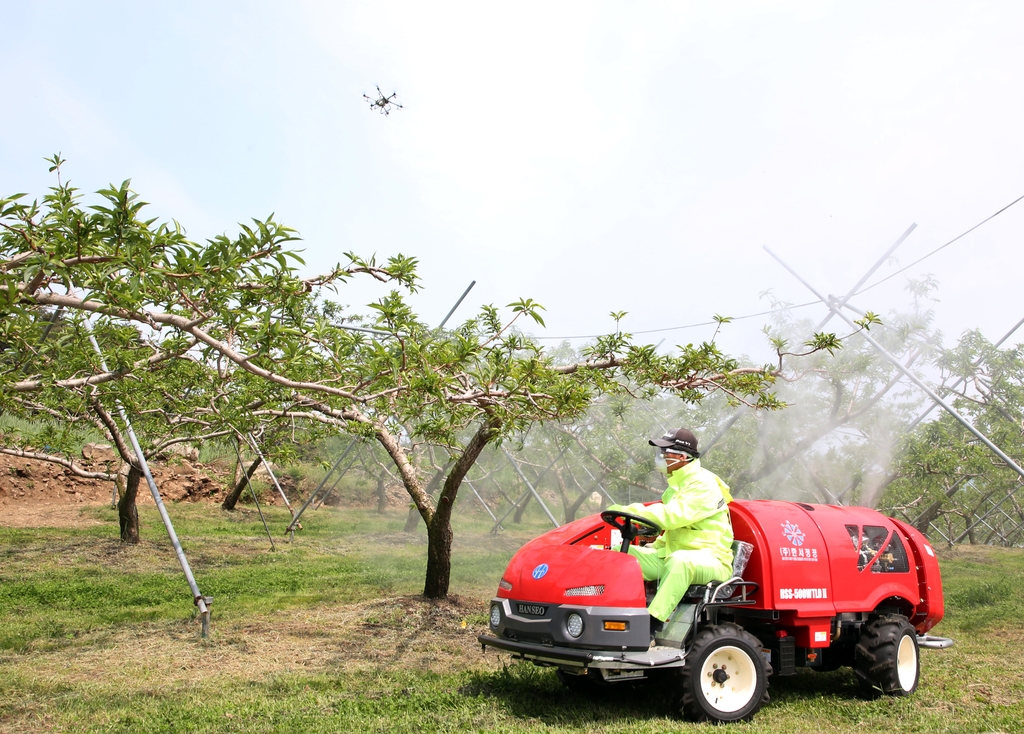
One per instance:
(793,533)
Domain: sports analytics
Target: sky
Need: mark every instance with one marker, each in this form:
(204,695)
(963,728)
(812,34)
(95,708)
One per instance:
(592,156)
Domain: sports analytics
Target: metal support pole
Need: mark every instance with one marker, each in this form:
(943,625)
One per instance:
(871,271)
(511,509)
(378,332)
(852,292)
(295,520)
(202,602)
(817,482)
(1009,536)
(947,492)
(263,460)
(723,430)
(337,481)
(527,492)
(533,491)
(584,492)
(905,372)
(938,530)
(470,484)
(572,475)
(597,483)
(457,304)
(650,410)
(500,491)
(252,491)
(959,380)
(973,525)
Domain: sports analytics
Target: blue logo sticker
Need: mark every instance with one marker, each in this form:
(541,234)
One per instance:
(538,573)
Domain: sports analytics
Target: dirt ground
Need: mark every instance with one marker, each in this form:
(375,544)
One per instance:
(41,494)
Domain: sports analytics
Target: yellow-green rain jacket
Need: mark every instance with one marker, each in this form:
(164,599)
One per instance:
(694,513)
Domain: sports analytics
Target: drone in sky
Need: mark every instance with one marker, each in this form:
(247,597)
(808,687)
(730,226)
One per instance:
(383,103)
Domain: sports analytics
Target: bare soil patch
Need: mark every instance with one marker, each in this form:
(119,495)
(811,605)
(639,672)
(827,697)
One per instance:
(37,493)
(40,494)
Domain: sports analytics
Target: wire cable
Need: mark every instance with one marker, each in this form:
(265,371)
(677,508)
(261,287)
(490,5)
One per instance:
(688,326)
(809,303)
(925,257)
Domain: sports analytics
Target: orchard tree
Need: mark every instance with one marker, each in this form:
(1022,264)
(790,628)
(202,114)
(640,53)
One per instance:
(70,274)
(943,474)
(69,395)
(846,414)
(237,308)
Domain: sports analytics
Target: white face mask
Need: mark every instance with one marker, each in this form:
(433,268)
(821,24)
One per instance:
(660,464)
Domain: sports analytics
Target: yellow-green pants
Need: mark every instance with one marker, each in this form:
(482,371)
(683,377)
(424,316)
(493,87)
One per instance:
(675,573)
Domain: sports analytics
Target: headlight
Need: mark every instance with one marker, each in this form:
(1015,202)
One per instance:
(505,585)
(574,624)
(495,615)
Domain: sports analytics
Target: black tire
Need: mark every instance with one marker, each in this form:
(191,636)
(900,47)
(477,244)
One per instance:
(887,660)
(725,677)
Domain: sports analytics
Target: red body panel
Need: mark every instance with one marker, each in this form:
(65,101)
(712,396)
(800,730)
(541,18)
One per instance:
(572,562)
(807,559)
(810,561)
(931,607)
(825,556)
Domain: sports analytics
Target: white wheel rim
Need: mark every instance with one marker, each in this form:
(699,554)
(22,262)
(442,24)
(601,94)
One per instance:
(734,693)
(906,663)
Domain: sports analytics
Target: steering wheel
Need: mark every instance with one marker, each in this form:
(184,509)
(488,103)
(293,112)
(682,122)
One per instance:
(630,525)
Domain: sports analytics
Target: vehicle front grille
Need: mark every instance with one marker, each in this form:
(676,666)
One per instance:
(538,638)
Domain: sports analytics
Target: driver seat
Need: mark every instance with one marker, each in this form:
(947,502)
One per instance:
(741,552)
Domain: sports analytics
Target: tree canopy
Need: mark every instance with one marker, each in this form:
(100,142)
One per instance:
(226,336)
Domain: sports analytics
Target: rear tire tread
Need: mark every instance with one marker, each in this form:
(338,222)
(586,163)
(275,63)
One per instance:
(876,655)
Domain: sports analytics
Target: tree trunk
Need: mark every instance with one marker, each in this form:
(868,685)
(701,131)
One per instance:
(439,557)
(970,533)
(571,510)
(381,495)
(127,511)
(439,528)
(563,495)
(413,520)
(232,499)
(518,517)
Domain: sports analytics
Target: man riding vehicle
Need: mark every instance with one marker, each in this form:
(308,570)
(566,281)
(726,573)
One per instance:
(695,546)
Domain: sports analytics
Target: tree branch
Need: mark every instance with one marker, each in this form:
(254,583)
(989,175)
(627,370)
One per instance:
(60,460)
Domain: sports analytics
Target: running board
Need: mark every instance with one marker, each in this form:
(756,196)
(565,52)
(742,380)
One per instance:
(656,656)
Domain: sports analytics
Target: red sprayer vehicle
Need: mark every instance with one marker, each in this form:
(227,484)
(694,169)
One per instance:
(814,586)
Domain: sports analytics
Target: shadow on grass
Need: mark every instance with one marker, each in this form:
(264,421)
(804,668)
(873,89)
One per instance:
(839,685)
(527,691)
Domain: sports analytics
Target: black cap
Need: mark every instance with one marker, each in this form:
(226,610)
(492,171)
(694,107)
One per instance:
(680,440)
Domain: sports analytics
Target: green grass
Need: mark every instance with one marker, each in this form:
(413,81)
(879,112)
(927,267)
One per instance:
(983,587)
(327,634)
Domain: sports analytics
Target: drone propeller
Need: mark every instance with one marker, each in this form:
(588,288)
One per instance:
(383,101)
